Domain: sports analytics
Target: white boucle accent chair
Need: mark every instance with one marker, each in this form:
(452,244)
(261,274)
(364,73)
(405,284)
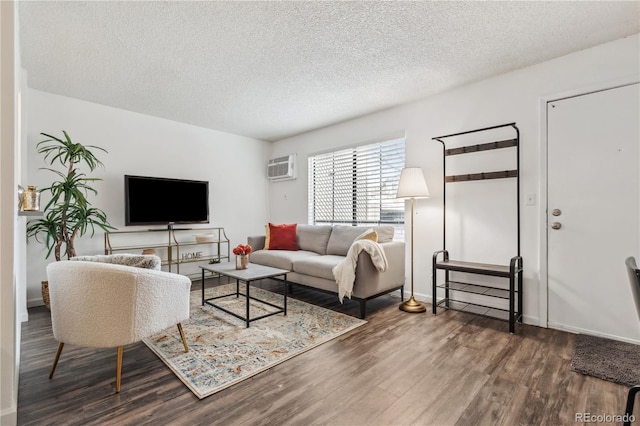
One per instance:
(105,305)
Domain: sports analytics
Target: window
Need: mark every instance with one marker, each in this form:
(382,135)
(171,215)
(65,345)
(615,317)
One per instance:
(357,186)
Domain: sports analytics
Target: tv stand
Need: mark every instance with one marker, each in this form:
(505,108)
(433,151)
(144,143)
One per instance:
(178,250)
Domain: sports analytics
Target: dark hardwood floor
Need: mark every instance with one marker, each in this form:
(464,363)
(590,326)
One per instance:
(399,368)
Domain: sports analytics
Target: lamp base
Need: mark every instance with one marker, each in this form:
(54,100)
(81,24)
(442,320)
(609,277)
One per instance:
(412,306)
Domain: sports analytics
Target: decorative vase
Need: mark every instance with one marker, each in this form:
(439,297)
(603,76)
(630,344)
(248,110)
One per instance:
(242,261)
(31,199)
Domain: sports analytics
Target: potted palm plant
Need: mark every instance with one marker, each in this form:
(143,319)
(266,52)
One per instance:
(68,214)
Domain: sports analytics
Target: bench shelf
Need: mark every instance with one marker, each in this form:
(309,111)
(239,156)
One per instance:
(512,313)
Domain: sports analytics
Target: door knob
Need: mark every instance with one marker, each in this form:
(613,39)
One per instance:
(556,225)
(556,212)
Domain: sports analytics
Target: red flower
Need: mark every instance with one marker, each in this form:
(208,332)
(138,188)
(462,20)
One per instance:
(242,249)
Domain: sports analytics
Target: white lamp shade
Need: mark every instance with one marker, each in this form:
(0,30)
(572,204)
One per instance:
(412,184)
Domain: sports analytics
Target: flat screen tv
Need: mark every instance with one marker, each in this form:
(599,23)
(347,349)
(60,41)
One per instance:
(161,201)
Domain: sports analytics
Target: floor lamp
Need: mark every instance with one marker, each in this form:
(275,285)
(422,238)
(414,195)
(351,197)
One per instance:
(412,185)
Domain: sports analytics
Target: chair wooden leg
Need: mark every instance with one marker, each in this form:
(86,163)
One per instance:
(184,341)
(55,361)
(119,368)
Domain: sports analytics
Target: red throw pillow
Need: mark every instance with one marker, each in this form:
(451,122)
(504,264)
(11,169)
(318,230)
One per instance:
(282,237)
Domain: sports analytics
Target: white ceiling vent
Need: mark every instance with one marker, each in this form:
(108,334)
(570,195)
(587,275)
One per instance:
(282,168)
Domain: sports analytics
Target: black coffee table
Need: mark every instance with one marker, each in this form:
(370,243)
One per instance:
(253,273)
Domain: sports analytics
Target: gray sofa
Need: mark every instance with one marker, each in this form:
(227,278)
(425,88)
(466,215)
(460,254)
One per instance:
(322,247)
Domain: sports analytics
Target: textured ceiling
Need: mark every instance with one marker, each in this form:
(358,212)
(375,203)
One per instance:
(274,69)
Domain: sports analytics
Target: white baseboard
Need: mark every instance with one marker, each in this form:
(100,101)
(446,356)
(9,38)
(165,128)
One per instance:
(578,330)
(418,296)
(526,319)
(531,320)
(9,416)
(32,303)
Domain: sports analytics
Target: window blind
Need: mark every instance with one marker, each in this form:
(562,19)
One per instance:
(358,186)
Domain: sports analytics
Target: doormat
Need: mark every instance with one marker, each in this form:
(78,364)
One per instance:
(607,359)
(223,352)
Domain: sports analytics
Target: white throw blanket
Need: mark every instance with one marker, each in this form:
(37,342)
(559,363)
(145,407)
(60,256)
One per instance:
(345,271)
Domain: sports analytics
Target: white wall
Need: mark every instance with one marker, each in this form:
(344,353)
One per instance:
(138,144)
(513,97)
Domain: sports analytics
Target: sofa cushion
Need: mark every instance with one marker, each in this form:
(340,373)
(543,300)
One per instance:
(313,237)
(385,233)
(281,237)
(283,259)
(342,237)
(266,238)
(320,266)
(369,234)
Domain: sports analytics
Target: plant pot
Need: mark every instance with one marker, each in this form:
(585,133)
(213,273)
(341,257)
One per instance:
(242,261)
(45,293)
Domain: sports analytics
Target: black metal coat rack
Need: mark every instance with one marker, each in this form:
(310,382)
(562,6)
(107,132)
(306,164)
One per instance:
(513,271)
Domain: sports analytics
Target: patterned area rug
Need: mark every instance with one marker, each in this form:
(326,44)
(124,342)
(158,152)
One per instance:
(607,359)
(223,352)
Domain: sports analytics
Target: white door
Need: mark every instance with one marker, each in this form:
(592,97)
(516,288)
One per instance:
(594,183)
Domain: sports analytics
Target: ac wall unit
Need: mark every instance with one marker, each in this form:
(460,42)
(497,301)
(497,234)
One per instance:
(282,168)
